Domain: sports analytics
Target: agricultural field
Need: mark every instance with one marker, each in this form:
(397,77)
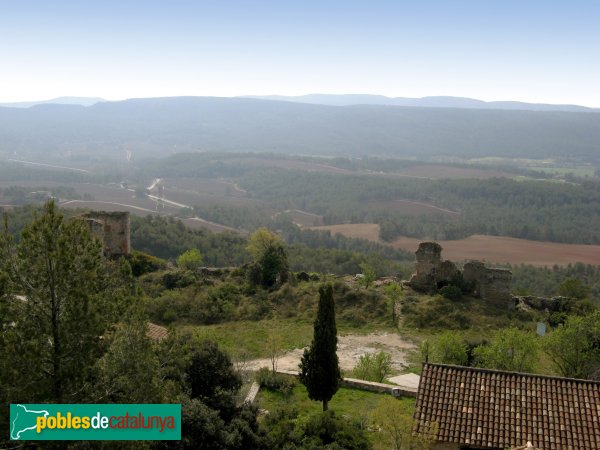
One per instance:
(217,187)
(448,171)
(302,218)
(499,249)
(369,231)
(290,164)
(413,208)
(493,249)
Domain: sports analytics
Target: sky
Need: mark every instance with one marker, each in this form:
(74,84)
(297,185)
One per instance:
(528,50)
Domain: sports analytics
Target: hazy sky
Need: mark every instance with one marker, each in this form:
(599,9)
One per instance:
(537,51)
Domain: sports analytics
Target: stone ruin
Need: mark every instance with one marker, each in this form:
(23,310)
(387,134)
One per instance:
(112,229)
(432,273)
(488,283)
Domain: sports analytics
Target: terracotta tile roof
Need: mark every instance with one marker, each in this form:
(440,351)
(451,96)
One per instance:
(156,332)
(494,409)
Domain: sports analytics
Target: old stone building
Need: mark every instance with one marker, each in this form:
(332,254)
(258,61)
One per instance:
(112,229)
(432,273)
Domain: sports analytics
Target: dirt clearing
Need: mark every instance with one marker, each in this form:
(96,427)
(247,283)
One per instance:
(350,348)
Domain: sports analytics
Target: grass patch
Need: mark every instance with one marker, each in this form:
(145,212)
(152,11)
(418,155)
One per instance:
(353,404)
(251,337)
(346,402)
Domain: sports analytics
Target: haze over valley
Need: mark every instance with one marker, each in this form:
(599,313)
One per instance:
(300,225)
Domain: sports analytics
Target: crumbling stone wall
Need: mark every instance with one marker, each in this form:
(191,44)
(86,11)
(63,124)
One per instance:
(488,283)
(431,273)
(112,229)
(552,304)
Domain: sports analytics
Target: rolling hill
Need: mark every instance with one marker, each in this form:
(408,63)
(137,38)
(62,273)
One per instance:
(161,126)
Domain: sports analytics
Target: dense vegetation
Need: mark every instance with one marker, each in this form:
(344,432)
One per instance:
(311,251)
(126,366)
(538,210)
(547,281)
(156,126)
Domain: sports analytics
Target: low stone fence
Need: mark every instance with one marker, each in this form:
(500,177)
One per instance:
(252,393)
(396,391)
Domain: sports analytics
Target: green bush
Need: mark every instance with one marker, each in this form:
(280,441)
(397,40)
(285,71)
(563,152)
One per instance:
(449,348)
(177,279)
(451,292)
(374,367)
(190,259)
(286,429)
(142,263)
(275,381)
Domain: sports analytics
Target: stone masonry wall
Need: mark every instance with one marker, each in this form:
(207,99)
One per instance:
(489,283)
(112,229)
(431,273)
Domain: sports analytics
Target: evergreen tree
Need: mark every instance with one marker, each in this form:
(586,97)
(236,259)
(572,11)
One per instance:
(319,368)
(62,297)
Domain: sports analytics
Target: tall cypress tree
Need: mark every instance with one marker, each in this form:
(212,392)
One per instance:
(319,368)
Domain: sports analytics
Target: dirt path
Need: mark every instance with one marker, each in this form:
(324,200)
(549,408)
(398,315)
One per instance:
(350,348)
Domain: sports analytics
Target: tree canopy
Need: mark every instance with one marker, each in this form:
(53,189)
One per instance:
(319,367)
(62,297)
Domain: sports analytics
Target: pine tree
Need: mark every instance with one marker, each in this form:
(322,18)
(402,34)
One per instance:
(319,368)
(63,298)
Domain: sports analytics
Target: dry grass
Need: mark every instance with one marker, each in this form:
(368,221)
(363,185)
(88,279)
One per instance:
(369,231)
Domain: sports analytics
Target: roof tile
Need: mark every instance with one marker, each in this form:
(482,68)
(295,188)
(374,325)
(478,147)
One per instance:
(495,409)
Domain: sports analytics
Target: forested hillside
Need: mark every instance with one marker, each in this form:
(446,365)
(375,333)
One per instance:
(154,127)
(536,210)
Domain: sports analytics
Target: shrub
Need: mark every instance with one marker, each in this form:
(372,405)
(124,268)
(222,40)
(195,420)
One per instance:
(449,348)
(286,429)
(177,279)
(275,381)
(142,263)
(190,260)
(451,292)
(374,367)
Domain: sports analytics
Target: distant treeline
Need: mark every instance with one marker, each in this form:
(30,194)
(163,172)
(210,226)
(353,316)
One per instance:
(19,195)
(308,250)
(545,281)
(538,210)
(311,251)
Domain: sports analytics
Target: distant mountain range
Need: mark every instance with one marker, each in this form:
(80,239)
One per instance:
(354,100)
(428,102)
(82,101)
(160,126)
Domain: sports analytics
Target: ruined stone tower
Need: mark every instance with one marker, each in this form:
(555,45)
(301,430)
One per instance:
(112,229)
(431,272)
